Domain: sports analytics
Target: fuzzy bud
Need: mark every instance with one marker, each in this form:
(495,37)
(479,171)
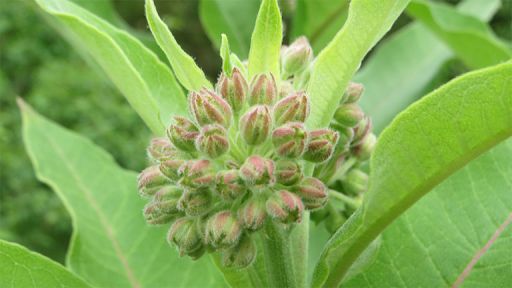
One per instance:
(313,193)
(355,182)
(170,168)
(353,93)
(257,170)
(297,56)
(208,107)
(348,115)
(253,214)
(364,150)
(213,140)
(230,185)
(233,89)
(285,207)
(321,145)
(240,256)
(150,180)
(290,140)
(183,134)
(293,108)
(255,125)
(287,172)
(163,208)
(196,173)
(362,130)
(160,148)
(223,230)
(185,234)
(195,202)
(263,90)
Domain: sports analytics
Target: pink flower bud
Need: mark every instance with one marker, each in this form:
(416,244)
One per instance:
(185,234)
(183,134)
(353,93)
(362,130)
(348,115)
(160,148)
(263,90)
(255,125)
(150,180)
(321,145)
(213,140)
(196,173)
(287,172)
(223,230)
(257,170)
(170,168)
(240,256)
(229,185)
(285,207)
(313,192)
(296,57)
(233,89)
(290,140)
(208,107)
(195,202)
(163,208)
(253,214)
(293,108)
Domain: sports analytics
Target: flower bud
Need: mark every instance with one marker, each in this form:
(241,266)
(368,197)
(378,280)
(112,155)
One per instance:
(240,256)
(160,148)
(195,202)
(313,193)
(334,221)
(263,90)
(185,234)
(255,125)
(257,170)
(285,89)
(353,93)
(196,173)
(293,108)
(355,182)
(364,150)
(150,180)
(348,115)
(213,140)
(287,172)
(285,207)
(230,185)
(233,89)
(321,145)
(346,134)
(223,230)
(183,134)
(170,168)
(290,140)
(163,208)
(208,108)
(297,56)
(253,214)
(361,131)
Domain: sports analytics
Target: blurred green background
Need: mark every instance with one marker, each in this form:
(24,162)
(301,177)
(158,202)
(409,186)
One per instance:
(36,63)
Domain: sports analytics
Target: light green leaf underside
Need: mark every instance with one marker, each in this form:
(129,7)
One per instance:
(423,146)
(471,40)
(367,22)
(111,246)
(443,232)
(20,267)
(266,40)
(148,85)
(185,69)
(407,65)
(234,18)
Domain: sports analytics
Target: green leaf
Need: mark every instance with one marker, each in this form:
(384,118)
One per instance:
(148,84)
(266,40)
(112,246)
(423,146)
(185,69)
(234,18)
(225,54)
(471,39)
(367,22)
(20,267)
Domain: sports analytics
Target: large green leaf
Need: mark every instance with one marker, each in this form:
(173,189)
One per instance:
(22,268)
(186,70)
(111,246)
(458,233)
(423,146)
(147,83)
(266,40)
(471,39)
(234,18)
(367,22)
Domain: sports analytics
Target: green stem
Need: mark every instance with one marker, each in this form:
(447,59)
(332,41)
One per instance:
(347,200)
(278,256)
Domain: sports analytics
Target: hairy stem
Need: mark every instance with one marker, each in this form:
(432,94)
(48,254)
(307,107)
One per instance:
(278,256)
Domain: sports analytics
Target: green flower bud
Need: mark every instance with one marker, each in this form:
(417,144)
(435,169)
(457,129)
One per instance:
(290,140)
(253,214)
(293,108)
(287,172)
(285,207)
(163,208)
(362,130)
(257,170)
(364,150)
(285,89)
(313,193)
(183,134)
(296,57)
(255,125)
(170,168)
(229,185)
(263,90)
(223,230)
(233,89)
(196,173)
(208,107)
(185,234)
(353,93)
(160,148)
(240,256)
(355,182)
(213,140)
(195,202)
(150,180)
(321,145)
(348,115)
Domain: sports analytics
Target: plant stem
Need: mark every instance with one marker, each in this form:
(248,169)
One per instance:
(347,200)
